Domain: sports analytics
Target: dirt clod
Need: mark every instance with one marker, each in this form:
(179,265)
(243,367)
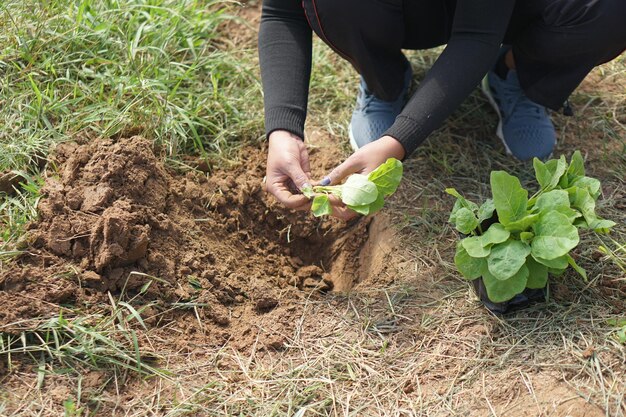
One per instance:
(8,182)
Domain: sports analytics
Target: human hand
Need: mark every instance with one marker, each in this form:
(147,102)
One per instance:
(288,169)
(363,161)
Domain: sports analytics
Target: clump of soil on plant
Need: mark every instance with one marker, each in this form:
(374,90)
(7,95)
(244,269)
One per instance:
(114,219)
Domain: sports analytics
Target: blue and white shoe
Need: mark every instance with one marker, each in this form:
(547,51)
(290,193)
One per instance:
(373,116)
(525,127)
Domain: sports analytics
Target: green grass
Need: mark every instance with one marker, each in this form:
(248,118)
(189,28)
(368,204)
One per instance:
(106,68)
(16,211)
(88,341)
(80,69)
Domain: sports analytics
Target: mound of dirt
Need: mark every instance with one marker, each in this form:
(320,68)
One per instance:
(114,218)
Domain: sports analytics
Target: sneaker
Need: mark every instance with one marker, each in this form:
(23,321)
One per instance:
(373,116)
(525,127)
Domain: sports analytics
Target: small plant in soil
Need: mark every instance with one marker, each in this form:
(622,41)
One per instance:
(513,242)
(364,194)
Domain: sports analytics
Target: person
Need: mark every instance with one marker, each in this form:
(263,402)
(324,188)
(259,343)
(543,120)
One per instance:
(534,54)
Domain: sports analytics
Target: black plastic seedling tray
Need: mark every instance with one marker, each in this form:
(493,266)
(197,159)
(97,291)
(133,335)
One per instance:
(522,300)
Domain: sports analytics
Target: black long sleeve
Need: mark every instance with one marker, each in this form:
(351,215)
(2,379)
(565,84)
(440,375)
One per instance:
(477,32)
(285,57)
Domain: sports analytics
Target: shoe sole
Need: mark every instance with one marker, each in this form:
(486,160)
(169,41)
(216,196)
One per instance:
(484,86)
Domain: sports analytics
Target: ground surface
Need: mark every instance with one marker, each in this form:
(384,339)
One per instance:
(147,289)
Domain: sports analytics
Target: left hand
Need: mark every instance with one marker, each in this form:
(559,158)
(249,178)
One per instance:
(364,161)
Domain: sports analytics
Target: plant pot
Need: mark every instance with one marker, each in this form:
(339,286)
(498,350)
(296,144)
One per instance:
(522,300)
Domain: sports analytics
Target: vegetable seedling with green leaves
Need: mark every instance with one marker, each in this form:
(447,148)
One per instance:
(514,241)
(364,194)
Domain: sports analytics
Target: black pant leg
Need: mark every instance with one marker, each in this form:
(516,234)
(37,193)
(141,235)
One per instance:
(562,42)
(369,34)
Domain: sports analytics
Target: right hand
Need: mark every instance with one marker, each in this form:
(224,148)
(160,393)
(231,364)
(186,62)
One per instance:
(288,169)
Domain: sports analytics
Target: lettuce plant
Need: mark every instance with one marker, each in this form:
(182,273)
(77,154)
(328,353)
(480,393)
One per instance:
(514,241)
(364,194)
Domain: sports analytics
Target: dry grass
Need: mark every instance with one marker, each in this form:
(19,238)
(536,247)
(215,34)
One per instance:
(423,346)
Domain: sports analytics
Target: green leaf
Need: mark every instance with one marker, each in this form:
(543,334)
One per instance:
(526,237)
(308,191)
(582,201)
(557,272)
(363,210)
(506,258)
(470,268)
(555,236)
(557,200)
(522,224)
(485,211)
(387,176)
(455,209)
(581,271)
(542,173)
(461,201)
(602,225)
(454,193)
(556,263)
(466,221)
(537,274)
(549,174)
(570,213)
(461,204)
(495,234)
(552,200)
(321,206)
(474,246)
(500,291)
(616,322)
(509,198)
(358,191)
(576,166)
(377,204)
(592,185)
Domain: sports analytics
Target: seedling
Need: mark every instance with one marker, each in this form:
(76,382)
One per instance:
(364,194)
(512,241)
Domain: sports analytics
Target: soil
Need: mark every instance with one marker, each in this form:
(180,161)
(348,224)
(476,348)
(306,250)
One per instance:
(9,182)
(114,219)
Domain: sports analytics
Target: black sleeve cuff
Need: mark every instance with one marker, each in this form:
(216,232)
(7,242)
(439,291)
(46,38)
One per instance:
(406,131)
(285,118)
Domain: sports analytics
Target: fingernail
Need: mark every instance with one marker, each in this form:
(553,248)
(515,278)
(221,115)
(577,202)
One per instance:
(306,185)
(325,181)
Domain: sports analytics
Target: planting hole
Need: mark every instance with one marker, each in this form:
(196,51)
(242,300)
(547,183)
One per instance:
(114,218)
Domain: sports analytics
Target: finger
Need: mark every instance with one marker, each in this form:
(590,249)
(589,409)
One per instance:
(305,207)
(349,166)
(304,162)
(344,213)
(325,181)
(335,201)
(298,176)
(287,198)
